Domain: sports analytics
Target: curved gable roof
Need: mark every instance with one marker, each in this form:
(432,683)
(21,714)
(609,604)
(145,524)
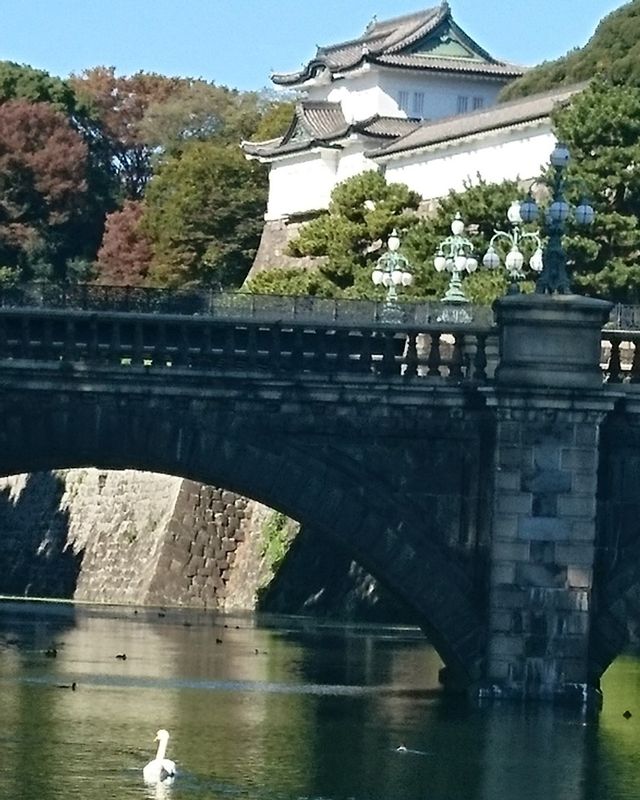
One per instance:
(396,43)
(322,123)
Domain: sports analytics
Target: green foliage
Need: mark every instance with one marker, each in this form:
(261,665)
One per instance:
(21,82)
(602,129)
(362,213)
(275,120)
(349,240)
(295,281)
(80,270)
(277,536)
(199,111)
(483,207)
(204,216)
(9,276)
(613,52)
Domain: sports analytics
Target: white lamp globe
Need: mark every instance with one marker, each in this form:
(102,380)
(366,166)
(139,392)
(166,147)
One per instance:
(584,213)
(396,277)
(407,279)
(514,260)
(376,276)
(535,262)
(491,259)
(386,279)
(513,213)
(460,263)
(471,265)
(439,262)
(457,226)
(393,242)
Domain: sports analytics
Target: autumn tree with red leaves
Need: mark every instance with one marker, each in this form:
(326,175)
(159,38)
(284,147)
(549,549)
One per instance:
(125,255)
(116,107)
(43,187)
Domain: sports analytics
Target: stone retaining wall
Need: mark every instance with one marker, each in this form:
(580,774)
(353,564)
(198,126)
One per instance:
(144,539)
(124,537)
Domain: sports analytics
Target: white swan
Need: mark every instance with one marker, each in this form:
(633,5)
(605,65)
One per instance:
(161,769)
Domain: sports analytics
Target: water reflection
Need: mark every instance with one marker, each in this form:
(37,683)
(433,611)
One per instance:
(280,709)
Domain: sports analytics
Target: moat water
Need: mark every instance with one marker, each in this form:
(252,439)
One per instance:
(280,709)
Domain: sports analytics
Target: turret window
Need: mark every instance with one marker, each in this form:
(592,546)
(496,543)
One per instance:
(463,104)
(403,101)
(478,103)
(417,108)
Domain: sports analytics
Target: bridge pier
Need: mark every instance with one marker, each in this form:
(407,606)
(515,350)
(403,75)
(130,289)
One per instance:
(549,404)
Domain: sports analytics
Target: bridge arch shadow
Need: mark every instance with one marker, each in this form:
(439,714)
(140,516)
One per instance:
(330,485)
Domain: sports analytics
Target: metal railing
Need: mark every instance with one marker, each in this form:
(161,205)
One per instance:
(236,306)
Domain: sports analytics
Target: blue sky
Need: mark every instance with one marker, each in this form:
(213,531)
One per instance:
(239,42)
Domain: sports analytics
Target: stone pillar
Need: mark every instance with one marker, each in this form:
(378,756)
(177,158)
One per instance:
(549,403)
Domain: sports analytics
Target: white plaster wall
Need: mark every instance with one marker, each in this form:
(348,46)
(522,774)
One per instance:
(360,96)
(305,182)
(376,91)
(353,160)
(440,92)
(301,183)
(503,156)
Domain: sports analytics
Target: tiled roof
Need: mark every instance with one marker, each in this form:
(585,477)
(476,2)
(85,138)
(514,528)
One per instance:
(386,127)
(394,43)
(462,65)
(503,115)
(321,118)
(321,123)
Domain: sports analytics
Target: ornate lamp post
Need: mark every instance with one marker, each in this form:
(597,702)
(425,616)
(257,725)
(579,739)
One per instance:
(553,276)
(392,271)
(455,255)
(514,261)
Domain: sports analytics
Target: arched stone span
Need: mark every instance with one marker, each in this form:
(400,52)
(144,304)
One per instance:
(400,491)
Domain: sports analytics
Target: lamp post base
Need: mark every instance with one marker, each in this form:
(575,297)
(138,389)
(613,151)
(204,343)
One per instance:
(550,340)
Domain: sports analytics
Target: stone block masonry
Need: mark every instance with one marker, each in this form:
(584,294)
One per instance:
(544,529)
(129,537)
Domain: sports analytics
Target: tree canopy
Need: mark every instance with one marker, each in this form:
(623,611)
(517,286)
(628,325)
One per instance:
(602,130)
(43,187)
(204,216)
(613,52)
(125,255)
(21,82)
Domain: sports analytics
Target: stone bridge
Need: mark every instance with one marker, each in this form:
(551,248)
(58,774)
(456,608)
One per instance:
(484,472)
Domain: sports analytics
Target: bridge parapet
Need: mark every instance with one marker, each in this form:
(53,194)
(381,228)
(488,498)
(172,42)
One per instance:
(199,342)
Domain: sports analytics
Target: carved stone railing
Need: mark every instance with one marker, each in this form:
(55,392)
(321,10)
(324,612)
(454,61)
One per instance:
(621,356)
(202,342)
(110,324)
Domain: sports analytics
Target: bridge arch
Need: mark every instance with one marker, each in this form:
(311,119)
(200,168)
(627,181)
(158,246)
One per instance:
(269,458)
